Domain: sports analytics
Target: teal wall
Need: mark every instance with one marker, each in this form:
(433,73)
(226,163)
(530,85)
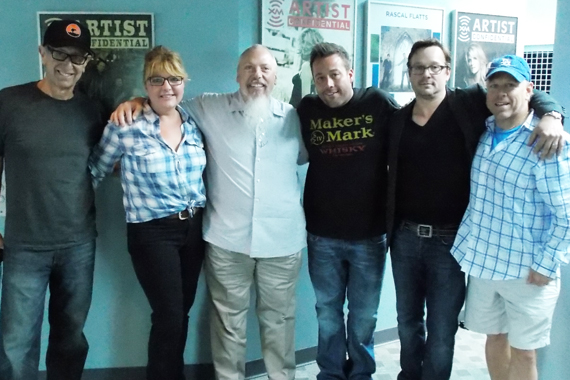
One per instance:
(553,360)
(209,34)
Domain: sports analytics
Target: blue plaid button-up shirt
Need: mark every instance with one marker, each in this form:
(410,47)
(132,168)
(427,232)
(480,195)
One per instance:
(519,209)
(157,180)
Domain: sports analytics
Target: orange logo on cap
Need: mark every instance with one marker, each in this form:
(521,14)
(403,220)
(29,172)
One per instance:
(73,30)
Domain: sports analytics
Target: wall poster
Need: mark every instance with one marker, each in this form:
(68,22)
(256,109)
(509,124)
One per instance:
(477,40)
(290,28)
(392,29)
(120,42)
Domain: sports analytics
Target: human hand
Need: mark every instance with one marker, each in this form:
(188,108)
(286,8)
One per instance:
(127,111)
(537,279)
(549,136)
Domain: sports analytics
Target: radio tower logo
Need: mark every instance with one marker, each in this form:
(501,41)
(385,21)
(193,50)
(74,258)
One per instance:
(464,30)
(275,14)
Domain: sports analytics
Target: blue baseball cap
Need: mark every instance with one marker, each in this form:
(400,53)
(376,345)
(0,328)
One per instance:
(510,64)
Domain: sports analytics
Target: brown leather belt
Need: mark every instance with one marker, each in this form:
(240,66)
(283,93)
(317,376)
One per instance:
(185,214)
(427,230)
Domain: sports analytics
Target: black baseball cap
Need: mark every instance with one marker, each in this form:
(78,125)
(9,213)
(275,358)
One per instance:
(68,33)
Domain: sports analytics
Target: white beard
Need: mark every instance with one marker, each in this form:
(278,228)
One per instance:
(256,110)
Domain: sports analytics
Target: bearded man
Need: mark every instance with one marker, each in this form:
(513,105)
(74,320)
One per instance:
(254,224)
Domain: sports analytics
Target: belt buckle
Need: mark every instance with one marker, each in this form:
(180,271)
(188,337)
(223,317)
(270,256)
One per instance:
(425,230)
(182,217)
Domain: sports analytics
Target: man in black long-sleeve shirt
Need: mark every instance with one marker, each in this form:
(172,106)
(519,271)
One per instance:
(432,143)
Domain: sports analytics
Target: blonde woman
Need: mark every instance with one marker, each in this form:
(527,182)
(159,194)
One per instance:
(162,158)
(476,65)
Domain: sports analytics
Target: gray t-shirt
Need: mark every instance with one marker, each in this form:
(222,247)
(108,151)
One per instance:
(46,143)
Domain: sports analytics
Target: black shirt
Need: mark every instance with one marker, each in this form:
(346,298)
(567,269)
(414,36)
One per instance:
(46,144)
(345,190)
(434,169)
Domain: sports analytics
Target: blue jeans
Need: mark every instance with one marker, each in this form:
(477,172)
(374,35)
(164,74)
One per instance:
(426,275)
(353,270)
(167,256)
(27,273)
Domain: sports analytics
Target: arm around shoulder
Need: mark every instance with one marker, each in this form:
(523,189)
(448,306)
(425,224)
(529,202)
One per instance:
(543,103)
(127,112)
(105,154)
(386,99)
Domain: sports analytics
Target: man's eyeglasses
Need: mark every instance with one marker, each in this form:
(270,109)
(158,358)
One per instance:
(433,69)
(61,56)
(159,81)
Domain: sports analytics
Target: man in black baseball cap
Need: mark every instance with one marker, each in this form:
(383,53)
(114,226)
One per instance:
(68,33)
(47,131)
(65,52)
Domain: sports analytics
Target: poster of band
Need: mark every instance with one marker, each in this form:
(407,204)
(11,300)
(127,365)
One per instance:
(477,40)
(120,41)
(391,31)
(290,29)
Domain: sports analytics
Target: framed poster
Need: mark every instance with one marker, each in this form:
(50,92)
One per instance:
(290,29)
(120,42)
(478,39)
(391,31)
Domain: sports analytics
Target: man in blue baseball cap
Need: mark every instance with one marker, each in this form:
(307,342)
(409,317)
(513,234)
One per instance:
(47,130)
(515,233)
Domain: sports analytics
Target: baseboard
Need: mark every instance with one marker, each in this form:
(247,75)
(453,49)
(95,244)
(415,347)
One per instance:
(194,371)
(206,371)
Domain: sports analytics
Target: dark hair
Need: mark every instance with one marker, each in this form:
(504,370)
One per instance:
(429,42)
(326,49)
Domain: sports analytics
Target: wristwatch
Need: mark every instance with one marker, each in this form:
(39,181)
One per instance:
(554,114)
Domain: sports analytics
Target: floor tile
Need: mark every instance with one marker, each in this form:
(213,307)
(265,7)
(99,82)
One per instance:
(468,361)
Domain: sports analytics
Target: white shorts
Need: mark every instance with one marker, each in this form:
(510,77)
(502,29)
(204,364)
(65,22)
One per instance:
(513,307)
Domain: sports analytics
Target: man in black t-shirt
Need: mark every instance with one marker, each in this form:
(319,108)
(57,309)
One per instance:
(432,143)
(345,132)
(46,135)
